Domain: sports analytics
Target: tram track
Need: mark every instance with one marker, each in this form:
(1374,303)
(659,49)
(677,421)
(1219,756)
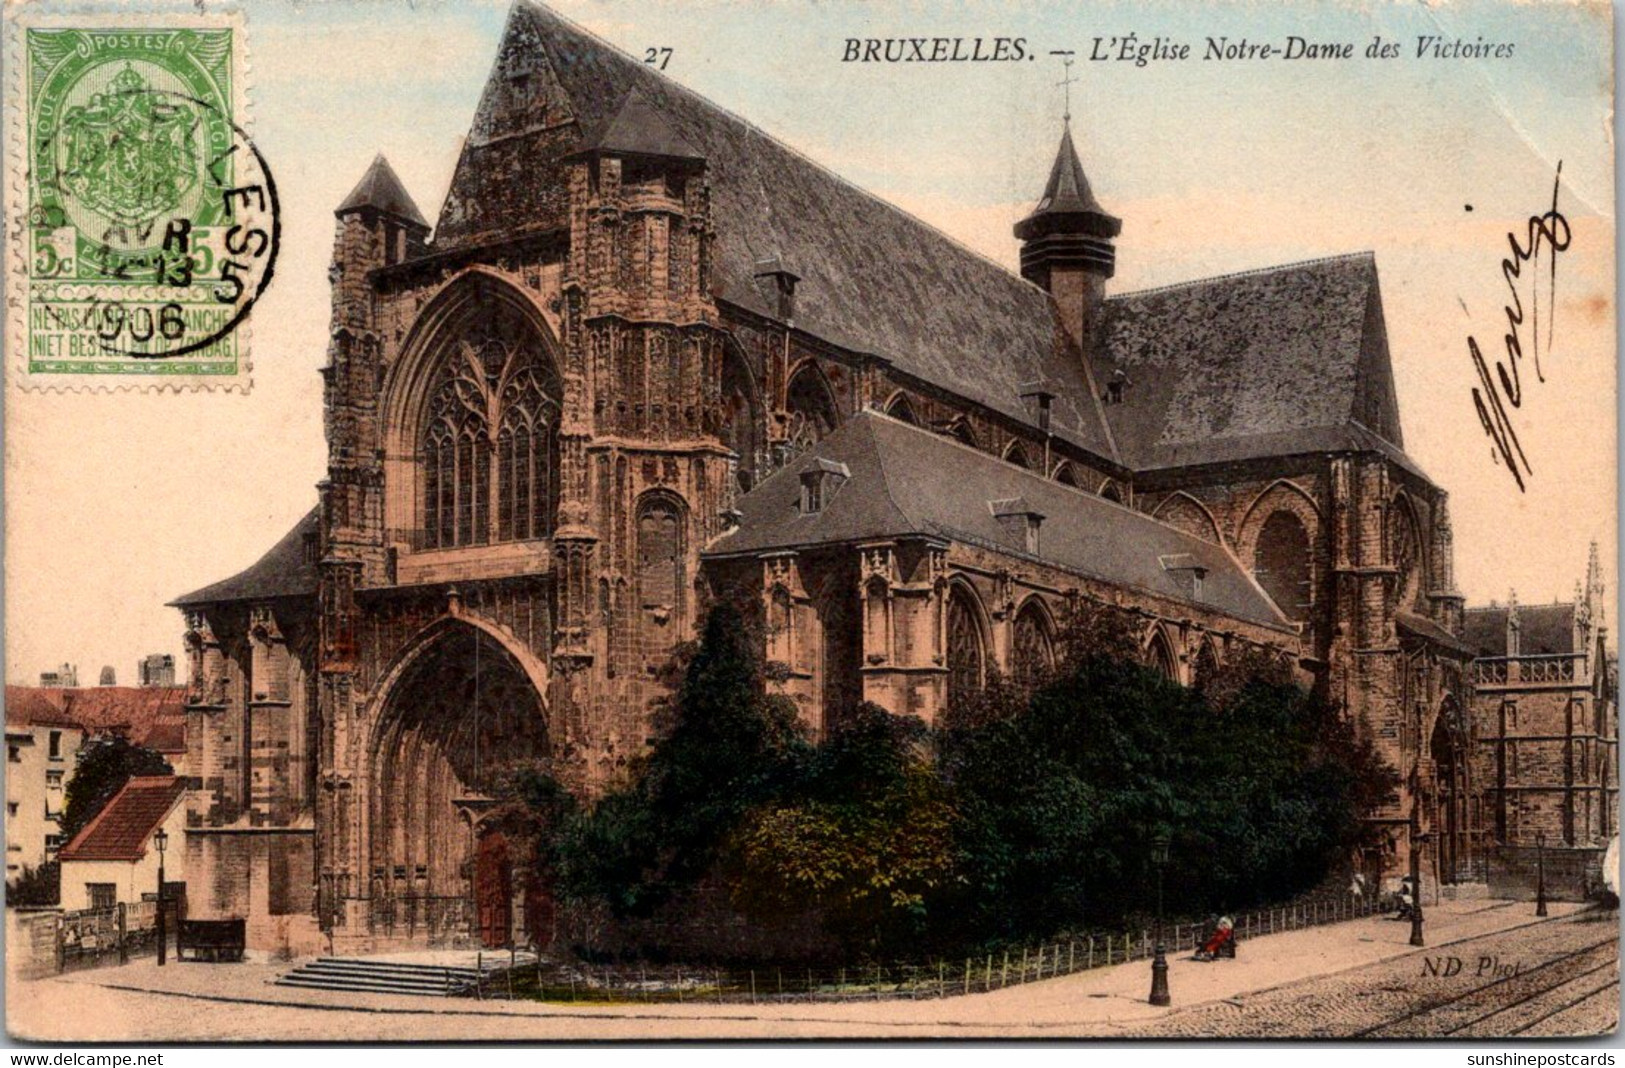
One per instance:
(1505,997)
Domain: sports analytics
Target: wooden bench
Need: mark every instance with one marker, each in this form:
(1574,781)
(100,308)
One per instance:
(211,940)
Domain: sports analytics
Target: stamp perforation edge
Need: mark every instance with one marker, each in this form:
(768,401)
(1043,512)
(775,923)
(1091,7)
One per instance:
(18,18)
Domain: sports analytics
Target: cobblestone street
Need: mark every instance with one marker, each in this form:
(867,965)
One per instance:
(1547,980)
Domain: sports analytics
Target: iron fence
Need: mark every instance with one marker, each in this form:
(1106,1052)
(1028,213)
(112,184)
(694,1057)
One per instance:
(555,981)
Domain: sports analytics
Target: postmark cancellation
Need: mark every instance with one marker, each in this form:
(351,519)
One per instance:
(143,218)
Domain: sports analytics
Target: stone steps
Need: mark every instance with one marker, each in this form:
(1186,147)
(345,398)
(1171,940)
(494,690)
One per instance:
(383,976)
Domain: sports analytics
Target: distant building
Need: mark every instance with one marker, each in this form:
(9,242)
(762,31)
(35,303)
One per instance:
(113,860)
(64,677)
(1547,724)
(45,729)
(109,678)
(158,669)
(42,746)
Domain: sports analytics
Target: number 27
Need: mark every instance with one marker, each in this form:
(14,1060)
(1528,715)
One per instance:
(658,56)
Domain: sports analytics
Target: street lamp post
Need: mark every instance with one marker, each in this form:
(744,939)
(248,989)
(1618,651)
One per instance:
(1417,839)
(1540,873)
(161,841)
(1159,963)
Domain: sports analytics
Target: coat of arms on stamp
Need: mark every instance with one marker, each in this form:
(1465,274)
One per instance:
(151,216)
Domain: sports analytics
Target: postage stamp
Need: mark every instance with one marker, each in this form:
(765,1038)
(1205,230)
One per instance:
(148,224)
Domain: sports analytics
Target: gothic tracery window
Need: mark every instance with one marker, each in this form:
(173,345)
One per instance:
(1404,552)
(1032,652)
(966,655)
(811,407)
(488,443)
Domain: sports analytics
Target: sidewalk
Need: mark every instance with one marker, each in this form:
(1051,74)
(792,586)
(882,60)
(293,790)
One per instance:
(1097,1002)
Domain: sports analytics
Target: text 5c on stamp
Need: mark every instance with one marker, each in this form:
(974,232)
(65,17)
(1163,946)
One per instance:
(150,225)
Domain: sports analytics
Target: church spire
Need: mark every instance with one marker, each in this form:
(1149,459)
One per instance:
(1068,230)
(1066,245)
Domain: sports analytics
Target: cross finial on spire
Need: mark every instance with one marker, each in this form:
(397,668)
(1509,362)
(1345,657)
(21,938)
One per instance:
(1066,83)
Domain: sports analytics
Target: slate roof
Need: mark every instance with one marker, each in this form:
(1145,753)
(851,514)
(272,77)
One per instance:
(382,190)
(1542,628)
(1273,362)
(121,830)
(873,278)
(285,571)
(906,480)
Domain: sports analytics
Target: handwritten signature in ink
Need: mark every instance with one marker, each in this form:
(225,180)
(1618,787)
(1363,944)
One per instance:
(1493,395)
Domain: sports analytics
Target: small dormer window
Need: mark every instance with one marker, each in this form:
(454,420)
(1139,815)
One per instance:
(819,483)
(1116,387)
(1187,571)
(1020,522)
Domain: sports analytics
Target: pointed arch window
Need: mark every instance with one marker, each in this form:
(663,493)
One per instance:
(1159,655)
(901,410)
(489,441)
(1281,563)
(1065,475)
(811,407)
(966,653)
(1033,648)
(741,428)
(1017,454)
(660,557)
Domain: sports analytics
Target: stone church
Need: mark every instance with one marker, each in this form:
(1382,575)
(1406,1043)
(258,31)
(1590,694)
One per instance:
(648,357)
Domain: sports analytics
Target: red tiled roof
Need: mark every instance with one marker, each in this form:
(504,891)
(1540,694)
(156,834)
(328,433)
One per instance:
(120,831)
(168,735)
(37,706)
(133,711)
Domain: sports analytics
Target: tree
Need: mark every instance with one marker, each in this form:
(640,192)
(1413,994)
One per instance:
(728,747)
(865,843)
(36,886)
(105,764)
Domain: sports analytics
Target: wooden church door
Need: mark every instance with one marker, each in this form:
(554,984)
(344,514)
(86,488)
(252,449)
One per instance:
(493,890)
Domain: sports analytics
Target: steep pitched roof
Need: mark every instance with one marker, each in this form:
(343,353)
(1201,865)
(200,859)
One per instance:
(38,706)
(287,570)
(1271,362)
(381,190)
(873,278)
(906,480)
(1542,629)
(121,830)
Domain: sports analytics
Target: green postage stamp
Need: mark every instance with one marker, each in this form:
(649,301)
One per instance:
(144,222)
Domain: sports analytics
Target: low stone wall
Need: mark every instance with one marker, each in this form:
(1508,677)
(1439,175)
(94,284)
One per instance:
(1571,874)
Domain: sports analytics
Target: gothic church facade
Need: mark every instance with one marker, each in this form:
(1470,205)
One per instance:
(648,357)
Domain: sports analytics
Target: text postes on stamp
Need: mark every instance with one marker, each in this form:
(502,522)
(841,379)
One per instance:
(151,217)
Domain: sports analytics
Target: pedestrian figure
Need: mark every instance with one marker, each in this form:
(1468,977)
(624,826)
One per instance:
(1221,942)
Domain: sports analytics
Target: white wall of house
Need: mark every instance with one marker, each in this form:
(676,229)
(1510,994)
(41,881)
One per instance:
(40,762)
(131,879)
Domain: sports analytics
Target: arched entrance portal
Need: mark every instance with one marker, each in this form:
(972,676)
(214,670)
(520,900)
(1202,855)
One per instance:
(462,715)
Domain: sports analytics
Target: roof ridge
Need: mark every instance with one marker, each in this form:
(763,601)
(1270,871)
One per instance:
(661,76)
(1369,254)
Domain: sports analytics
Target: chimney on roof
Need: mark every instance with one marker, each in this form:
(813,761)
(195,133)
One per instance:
(1066,244)
(109,678)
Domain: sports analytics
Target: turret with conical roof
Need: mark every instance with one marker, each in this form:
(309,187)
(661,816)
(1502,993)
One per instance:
(1068,229)
(1067,242)
(382,203)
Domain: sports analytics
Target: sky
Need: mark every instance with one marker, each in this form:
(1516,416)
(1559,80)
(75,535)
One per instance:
(119,502)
